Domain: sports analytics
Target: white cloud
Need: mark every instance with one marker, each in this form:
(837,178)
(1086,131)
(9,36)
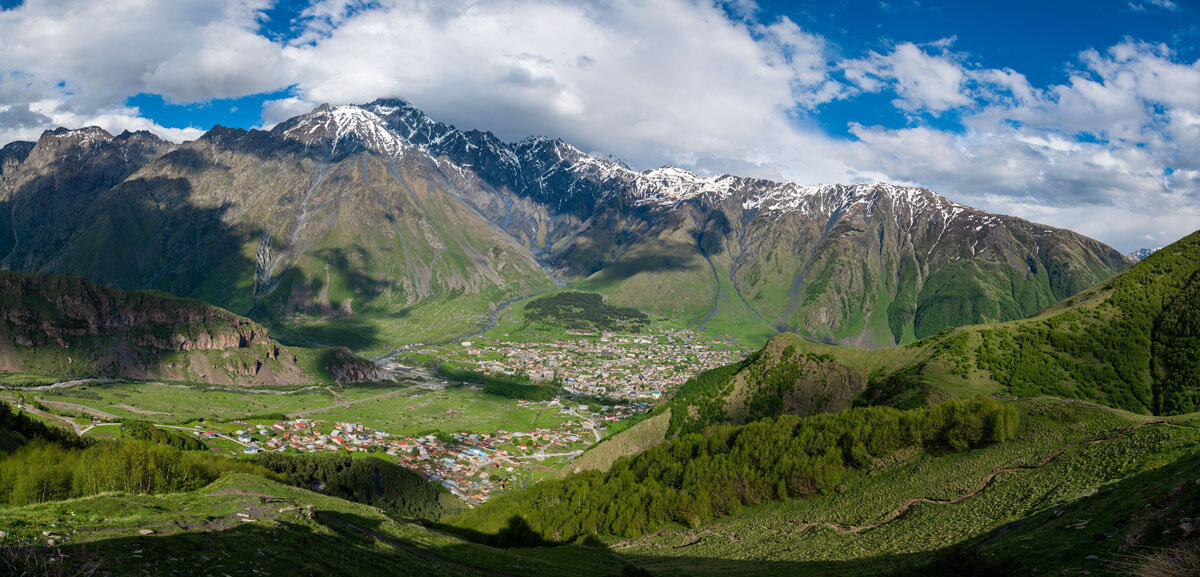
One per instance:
(89,57)
(28,121)
(653,81)
(923,81)
(708,86)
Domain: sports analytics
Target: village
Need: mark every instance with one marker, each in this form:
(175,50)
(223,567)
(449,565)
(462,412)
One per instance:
(471,466)
(631,367)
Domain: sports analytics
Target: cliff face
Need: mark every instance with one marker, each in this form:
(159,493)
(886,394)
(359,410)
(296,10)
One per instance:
(66,325)
(64,310)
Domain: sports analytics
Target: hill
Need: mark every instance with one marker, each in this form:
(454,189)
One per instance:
(1081,489)
(67,327)
(372,226)
(1130,343)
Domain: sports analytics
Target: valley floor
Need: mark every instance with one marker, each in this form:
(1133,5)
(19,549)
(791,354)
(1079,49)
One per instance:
(1081,488)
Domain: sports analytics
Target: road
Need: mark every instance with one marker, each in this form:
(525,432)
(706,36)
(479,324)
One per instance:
(540,455)
(307,412)
(93,426)
(62,385)
(590,424)
(81,408)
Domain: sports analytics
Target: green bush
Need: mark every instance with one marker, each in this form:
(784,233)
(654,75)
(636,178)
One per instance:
(144,431)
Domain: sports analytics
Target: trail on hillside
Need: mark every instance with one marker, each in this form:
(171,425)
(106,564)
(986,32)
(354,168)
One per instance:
(907,506)
(902,509)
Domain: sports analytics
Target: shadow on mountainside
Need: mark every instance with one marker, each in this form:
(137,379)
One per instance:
(666,256)
(319,543)
(152,233)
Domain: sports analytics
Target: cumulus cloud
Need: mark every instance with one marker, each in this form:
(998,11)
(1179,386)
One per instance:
(922,81)
(713,86)
(659,81)
(89,57)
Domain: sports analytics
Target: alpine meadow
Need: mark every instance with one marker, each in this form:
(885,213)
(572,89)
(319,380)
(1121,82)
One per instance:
(599,288)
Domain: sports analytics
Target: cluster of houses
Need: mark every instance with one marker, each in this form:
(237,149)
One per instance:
(635,367)
(471,466)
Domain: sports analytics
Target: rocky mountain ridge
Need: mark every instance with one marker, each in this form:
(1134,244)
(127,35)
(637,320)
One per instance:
(354,224)
(61,325)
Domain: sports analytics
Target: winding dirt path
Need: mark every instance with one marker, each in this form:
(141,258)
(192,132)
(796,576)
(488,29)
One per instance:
(907,506)
(987,482)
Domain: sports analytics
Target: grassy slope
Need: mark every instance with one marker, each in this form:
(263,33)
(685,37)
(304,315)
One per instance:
(1132,343)
(639,437)
(203,530)
(784,538)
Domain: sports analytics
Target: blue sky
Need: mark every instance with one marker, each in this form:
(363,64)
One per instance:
(1076,114)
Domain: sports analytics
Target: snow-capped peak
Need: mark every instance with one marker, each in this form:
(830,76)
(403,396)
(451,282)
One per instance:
(86,136)
(344,126)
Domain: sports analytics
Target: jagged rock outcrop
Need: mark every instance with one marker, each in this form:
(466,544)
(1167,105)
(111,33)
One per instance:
(63,325)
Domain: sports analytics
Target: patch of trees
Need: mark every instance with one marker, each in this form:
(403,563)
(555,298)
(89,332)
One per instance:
(266,417)
(902,389)
(371,481)
(696,478)
(144,431)
(19,428)
(507,386)
(47,471)
(582,310)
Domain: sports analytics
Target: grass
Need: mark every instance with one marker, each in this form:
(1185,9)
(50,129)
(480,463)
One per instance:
(202,533)
(451,410)
(401,409)
(761,539)
(620,442)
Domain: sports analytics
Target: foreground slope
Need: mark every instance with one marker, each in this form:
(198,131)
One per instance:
(247,525)
(67,327)
(1082,489)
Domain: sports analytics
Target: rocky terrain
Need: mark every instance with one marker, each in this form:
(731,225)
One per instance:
(374,225)
(67,326)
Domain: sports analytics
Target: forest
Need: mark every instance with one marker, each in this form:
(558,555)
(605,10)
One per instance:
(582,310)
(1138,349)
(371,481)
(43,470)
(696,478)
(507,386)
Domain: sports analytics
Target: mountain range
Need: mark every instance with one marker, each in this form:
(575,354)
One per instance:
(374,225)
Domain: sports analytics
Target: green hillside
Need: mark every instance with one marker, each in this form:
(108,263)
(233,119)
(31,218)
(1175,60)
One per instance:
(1079,488)
(1131,343)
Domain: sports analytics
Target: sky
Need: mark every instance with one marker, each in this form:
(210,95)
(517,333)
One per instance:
(1078,114)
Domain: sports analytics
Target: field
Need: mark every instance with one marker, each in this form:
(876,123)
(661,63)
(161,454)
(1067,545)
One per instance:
(397,409)
(450,409)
